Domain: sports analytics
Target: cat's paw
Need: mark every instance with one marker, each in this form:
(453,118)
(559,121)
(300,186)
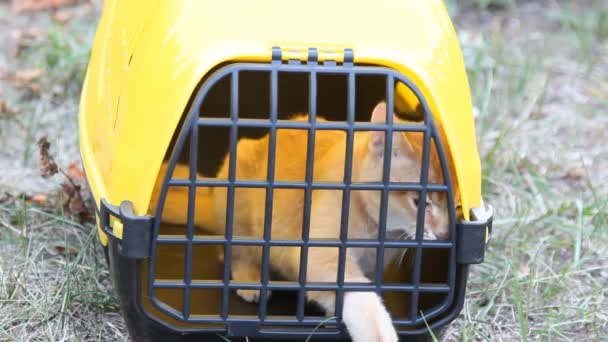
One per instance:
(366,318)
(251,296)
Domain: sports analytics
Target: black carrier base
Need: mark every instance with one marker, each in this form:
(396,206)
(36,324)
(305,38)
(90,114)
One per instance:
(126,275)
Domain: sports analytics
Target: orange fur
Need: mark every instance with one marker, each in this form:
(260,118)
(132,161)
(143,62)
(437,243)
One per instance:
(325,221)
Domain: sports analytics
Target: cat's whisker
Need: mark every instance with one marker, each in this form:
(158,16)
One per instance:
(402,256)
(407,235)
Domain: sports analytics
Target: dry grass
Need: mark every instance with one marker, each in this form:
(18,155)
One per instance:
(54,284)
(538,72)
(539,77)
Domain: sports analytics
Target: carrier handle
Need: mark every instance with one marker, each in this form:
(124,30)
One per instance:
(298,55)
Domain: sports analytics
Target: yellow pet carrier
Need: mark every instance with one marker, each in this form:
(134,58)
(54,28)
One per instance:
(175,94)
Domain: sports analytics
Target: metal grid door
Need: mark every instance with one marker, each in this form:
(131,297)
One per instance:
(452,290)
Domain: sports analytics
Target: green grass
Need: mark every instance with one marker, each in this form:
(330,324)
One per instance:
(54,282)
(545,271)
(589,29)
(539,90)
(456,6)
(63,55)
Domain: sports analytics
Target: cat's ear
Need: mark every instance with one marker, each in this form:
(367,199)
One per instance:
(379,113)
(401,145)
(376,142)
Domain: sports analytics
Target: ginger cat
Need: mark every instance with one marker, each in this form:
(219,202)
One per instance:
(363,313)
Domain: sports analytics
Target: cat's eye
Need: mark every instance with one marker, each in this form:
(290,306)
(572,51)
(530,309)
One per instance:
(417,201)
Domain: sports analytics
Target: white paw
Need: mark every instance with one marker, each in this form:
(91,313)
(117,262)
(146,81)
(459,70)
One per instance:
(251,296)
(366,318)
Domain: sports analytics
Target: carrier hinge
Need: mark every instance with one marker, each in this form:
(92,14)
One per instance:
(473,236)
(312,56)
(134,232)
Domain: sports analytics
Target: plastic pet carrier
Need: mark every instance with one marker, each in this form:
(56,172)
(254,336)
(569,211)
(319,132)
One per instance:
(265,170)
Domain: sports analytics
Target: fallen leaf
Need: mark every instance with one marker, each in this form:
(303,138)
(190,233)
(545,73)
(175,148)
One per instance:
(63,16)
(68,189)
(40,199)
(26,38)
(34,88)
(61,250)
(20,6)
(76,200)
(27,76)
(5,197)
(74,195)
(27,79)
(48,167)
(75,172)
(576,173)
(523,270)
(6,109)
(77,206)
(32,33)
